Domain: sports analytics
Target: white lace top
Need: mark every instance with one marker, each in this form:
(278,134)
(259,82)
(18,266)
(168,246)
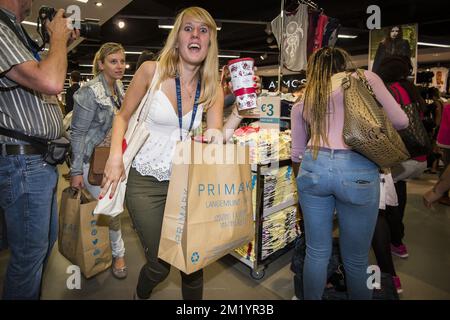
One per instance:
(155,157)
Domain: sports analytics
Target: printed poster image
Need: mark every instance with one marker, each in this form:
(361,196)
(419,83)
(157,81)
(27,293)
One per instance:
(440,78)
(393,40)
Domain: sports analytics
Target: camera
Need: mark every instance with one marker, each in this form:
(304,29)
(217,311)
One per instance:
(89,28)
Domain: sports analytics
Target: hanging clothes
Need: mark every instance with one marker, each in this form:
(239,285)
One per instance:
(313,18)
(330,35)
(321,24)
(295,35)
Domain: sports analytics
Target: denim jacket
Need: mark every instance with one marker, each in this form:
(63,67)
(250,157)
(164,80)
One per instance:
(93,113)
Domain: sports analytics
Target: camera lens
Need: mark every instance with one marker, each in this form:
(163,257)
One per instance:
(90,30)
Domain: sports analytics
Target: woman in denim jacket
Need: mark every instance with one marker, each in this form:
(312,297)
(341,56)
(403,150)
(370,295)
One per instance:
(95,104)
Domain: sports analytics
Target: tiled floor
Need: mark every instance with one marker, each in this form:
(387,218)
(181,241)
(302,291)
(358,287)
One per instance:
(425,274)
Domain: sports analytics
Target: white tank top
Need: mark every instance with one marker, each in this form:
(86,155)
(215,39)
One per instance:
(155,157)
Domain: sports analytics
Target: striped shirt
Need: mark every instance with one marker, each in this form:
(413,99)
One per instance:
(23,109)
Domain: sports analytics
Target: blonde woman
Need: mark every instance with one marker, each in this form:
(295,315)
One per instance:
(333,177)
(95,104)
(187,81)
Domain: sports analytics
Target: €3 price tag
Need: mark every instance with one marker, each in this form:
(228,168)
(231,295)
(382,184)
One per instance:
(269,109)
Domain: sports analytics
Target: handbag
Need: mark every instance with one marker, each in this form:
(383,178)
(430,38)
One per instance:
(53,152)
(135,137)
(367,130)
(97,165)
(415,136)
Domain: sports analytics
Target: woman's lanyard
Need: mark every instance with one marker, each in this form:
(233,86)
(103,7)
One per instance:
(116,100)
(180,109)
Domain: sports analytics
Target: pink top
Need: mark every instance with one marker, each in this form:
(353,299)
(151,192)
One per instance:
(405,99)
(443,138)
(336,120)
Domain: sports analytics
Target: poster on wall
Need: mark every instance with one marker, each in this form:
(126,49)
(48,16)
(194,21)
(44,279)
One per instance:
(393,40)
(440,76)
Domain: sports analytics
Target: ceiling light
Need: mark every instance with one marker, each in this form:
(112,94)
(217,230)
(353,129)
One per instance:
(29,23)
(133,52)
(127,66)
(228,56)
(98,4)
(84,1)
(346,36)
(168,24)
(86,65)
(433,44)
(165,26)
(121,24)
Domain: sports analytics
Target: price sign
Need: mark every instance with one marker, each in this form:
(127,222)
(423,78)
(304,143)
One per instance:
(269,109)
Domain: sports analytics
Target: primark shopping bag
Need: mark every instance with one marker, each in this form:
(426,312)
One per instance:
(208,210)
(83,237)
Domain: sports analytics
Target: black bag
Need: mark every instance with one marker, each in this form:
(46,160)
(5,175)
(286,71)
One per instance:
(57,151)
(415,136)
(335,270)
(335,275)
(54,152)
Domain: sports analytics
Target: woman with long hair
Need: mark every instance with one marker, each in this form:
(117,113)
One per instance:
(186,77)
(393,44)
(332,177)
(95,104)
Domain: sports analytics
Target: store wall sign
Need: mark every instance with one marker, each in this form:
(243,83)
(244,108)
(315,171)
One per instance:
(289,82)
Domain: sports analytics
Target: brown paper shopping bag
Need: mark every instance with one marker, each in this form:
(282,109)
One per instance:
(208,210)
(83,237)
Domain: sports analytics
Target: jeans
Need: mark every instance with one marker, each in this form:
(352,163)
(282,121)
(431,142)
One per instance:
(28,198)
(348,183)
(115,230)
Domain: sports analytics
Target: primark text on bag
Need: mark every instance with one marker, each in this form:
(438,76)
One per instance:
(208,210)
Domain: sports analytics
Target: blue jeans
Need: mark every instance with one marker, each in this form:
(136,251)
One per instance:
(28,197)
(347,182)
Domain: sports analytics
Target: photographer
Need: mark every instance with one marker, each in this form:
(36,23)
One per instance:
(28,106)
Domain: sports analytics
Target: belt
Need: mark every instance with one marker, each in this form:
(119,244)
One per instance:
(18,149)
(334,151)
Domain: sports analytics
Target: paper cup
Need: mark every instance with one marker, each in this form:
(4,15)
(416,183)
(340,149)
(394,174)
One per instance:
(241,71)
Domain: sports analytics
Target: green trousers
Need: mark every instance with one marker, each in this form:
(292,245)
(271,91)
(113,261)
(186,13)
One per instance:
(146,199)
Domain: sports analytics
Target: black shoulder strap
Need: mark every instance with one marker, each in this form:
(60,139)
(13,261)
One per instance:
(40,143)
(28,43)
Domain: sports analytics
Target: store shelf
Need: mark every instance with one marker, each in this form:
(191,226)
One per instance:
(278,253)
(277,208)
(270,165)
(242,259)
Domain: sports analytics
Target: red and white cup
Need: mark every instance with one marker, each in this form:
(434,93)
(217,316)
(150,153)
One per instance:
(241,72)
